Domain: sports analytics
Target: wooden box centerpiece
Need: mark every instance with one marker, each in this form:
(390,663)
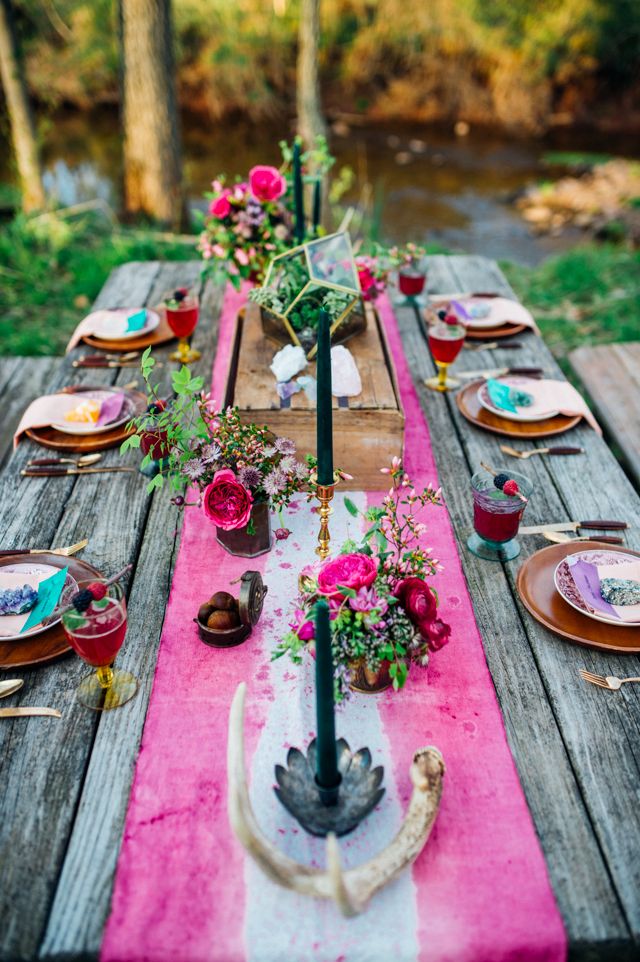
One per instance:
(368,430)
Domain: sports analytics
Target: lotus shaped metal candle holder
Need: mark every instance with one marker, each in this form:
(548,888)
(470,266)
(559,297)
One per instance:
(358,793)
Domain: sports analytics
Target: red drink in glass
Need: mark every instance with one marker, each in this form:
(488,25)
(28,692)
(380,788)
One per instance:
(183,319)
(96,632)
(496,517)
(445,343)
(411,282)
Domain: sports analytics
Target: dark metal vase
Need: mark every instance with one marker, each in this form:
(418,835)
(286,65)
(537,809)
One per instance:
(238,542)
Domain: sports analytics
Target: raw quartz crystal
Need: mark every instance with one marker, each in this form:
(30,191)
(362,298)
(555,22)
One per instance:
(17,601)
(620,591)
(345,377)
(288,362)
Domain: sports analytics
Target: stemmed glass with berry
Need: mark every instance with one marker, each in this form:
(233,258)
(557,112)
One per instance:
(499,501)
(445,336)
(95,624)
(182,309)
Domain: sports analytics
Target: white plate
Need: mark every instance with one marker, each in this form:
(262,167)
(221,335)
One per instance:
(152,321)
(32,568)
(566,587)
(74,427)
(521,384)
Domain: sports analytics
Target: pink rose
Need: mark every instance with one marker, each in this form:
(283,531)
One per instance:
(226,502)
(266,183)
(349,570)
(418,601)
(437,634)
(220,206)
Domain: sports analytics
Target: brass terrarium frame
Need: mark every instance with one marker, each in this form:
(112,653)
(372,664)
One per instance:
(313,283)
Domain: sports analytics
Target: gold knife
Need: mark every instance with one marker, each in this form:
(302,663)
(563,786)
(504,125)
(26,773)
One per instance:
(60,473)
(573,526)
(26,711)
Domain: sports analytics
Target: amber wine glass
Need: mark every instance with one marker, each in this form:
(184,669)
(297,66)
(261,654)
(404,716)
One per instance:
(96,634)
(445,337)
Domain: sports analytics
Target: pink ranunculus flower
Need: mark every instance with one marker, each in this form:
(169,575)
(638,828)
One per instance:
(220,206)
(226,502)
(436,634)
(266,183)
(348,570)
(303,626)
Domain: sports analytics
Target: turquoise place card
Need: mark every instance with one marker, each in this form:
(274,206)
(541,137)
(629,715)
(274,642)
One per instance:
(49,592)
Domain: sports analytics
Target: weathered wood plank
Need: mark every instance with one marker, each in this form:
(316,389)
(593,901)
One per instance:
(83,894)
(22,379)
(39,805)
(611,375)
(564,487)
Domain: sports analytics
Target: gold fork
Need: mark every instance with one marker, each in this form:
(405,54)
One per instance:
(65,552)
(610,682)
(523,455)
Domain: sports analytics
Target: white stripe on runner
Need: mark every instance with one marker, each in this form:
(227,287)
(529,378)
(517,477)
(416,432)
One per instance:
(281,924)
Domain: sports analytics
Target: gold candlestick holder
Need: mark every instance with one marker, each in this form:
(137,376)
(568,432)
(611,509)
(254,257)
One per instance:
(324,494)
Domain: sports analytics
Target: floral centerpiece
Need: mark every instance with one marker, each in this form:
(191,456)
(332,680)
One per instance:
(384,612)
(239,471)
(247,223)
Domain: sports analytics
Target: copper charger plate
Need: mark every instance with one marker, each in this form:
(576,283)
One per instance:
(87,443)
(540,597)
(495,333)
(472,410)
(50,644)
(161,335)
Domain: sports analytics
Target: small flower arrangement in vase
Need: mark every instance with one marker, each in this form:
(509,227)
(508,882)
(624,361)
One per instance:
(384,612)
(409,261)
(247,223)
(241,472)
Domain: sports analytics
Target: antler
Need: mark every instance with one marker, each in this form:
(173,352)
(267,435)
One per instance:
(351,889)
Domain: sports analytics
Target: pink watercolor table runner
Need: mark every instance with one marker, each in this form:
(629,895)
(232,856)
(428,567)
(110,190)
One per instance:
(184,891)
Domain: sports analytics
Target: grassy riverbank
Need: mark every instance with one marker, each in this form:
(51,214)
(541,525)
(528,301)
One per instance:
(52,269)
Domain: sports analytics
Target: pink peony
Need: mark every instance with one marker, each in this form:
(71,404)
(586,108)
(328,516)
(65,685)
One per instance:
(266,183)
(220,206)
(349,570)
(226,502)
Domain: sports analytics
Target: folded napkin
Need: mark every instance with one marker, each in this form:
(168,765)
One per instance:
(122,320)
(547,396)
(55,408)
(501,310)
(588,578)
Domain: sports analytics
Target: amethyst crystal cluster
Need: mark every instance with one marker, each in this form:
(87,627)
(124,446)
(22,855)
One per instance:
(16,601)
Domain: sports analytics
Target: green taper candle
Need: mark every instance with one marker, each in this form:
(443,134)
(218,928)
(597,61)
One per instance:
(317,204)
(298,195)
(324,412)
(327,774)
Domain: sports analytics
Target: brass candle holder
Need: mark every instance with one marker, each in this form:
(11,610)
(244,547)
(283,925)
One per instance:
(324,494)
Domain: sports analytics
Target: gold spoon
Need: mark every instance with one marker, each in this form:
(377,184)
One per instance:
(82,462)
(9,686)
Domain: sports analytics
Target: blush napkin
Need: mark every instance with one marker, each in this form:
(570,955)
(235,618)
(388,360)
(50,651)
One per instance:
(52,408)
(98,323)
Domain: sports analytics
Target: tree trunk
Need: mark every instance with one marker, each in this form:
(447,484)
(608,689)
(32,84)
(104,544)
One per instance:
(152,154)
(20,118)
(310,120)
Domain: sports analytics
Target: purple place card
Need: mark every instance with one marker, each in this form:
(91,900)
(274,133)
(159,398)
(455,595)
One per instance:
(110,409)
(587,581)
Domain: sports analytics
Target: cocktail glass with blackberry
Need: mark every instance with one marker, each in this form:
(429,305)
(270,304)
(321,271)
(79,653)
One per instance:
(498,505)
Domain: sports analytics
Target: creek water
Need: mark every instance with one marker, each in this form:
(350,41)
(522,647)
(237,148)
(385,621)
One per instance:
(427,183)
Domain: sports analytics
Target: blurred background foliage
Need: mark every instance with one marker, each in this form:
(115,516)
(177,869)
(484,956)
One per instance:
(516,63)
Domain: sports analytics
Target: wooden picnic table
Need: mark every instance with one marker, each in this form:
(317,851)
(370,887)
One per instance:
(66,783)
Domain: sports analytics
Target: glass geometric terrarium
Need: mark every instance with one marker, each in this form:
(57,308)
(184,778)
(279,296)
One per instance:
(319,274)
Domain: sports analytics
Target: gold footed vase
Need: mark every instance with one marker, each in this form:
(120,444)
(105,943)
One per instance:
(365,680)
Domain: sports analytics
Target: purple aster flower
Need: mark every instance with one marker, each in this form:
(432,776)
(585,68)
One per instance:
(285,446)
(250,477)
(288,464)
(210,453)
(193,469)
(274,482)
